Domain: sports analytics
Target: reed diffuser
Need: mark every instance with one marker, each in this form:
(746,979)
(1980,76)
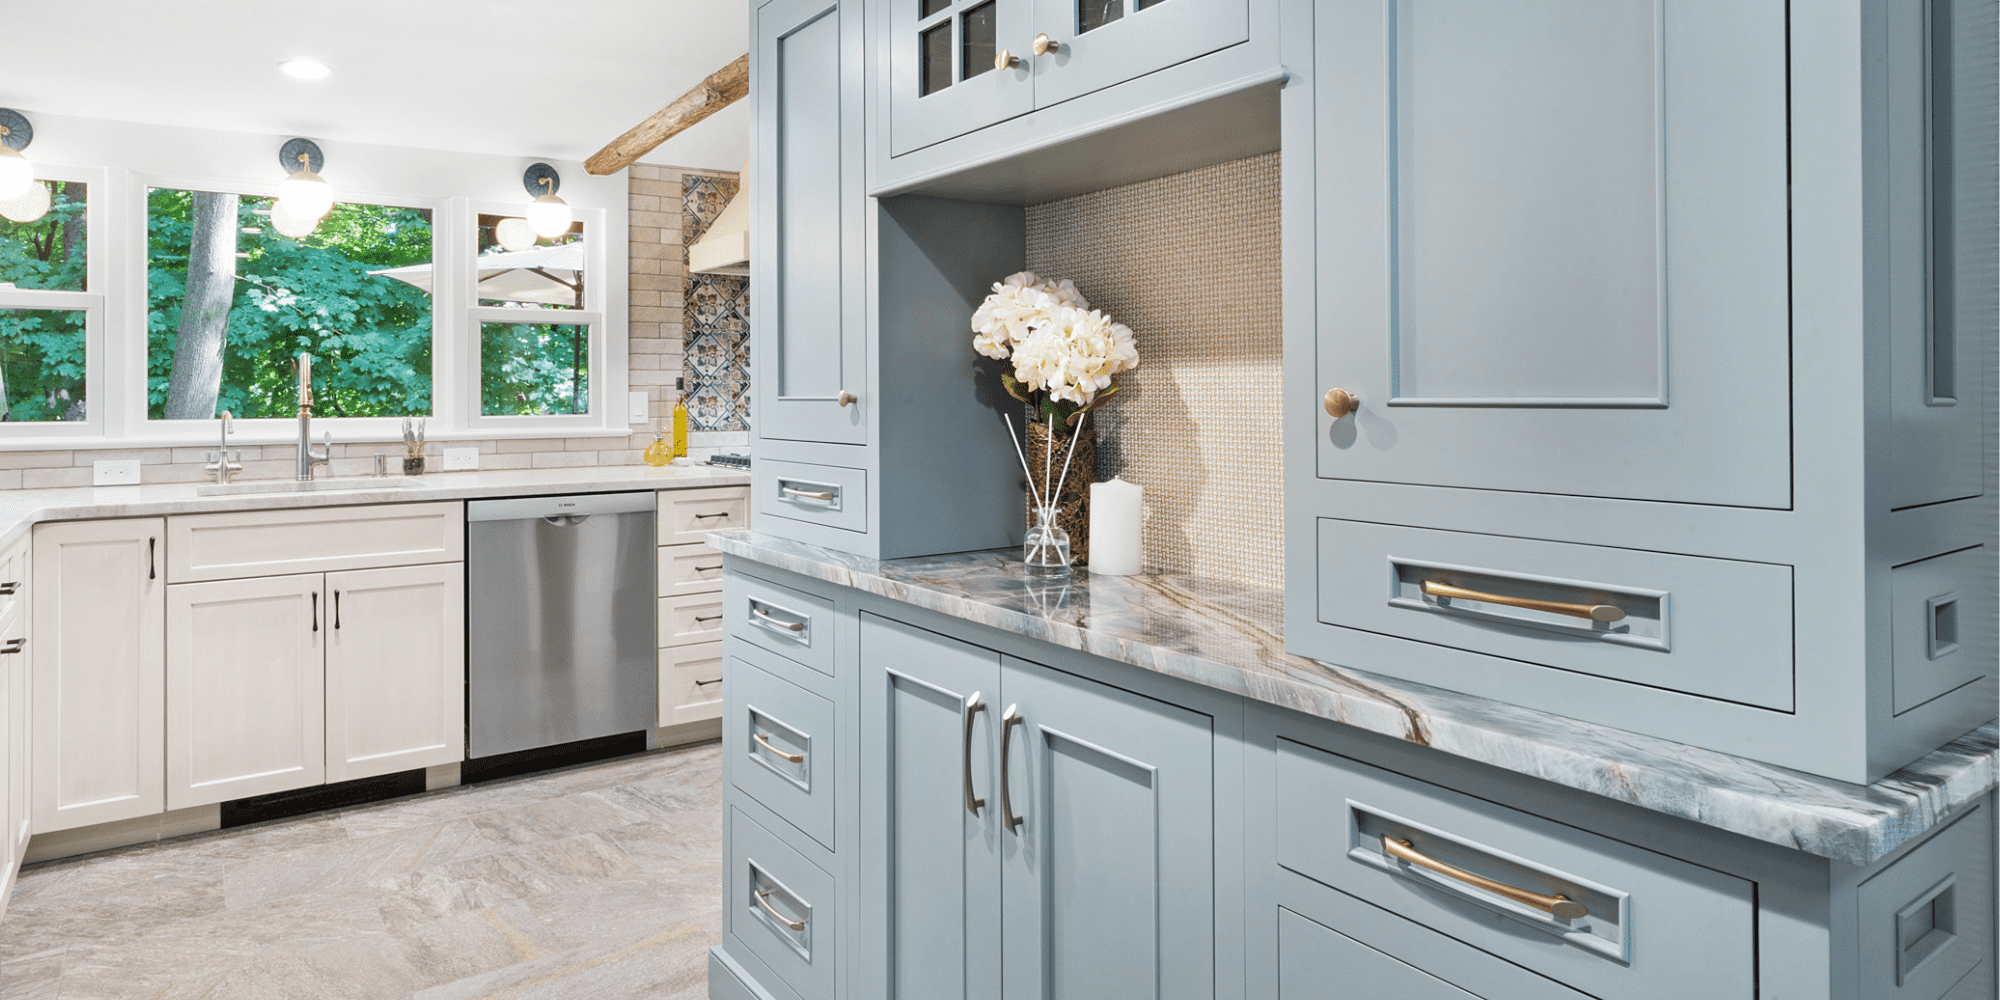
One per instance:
(1045,550)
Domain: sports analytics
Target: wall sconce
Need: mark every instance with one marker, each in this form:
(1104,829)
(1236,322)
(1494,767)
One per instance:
(514,234)
(304,195)
(21,199)
(547,214)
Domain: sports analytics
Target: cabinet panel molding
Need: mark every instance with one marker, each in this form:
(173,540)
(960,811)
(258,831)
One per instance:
(315,539)
(395,670)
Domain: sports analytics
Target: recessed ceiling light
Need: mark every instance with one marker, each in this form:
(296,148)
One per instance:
(305,69)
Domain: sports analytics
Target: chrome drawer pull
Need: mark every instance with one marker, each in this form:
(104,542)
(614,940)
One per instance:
(1008,721)
(764,900)
(973,706)
(780,622)
(1557,905)
(808,494)
(795,758)
(1593,612)
(10,588)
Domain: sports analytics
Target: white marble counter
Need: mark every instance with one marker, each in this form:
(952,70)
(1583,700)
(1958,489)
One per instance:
(1230,637)
(21,510)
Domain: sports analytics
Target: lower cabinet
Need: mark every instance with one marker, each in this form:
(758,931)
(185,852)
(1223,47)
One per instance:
(395,670)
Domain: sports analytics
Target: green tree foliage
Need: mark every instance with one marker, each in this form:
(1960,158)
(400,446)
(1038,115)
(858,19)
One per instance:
(528,369)
(42,350)
(369,336)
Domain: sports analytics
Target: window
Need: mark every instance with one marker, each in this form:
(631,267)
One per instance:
(231,303)
(535,334)
(533,369)
(44,320)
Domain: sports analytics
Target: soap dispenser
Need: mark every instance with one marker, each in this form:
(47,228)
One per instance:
(680,418)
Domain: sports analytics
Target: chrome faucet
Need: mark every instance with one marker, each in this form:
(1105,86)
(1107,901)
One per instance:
(307,457)
(222,461)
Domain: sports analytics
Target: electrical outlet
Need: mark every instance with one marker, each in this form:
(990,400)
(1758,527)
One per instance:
(636,407)
(115,472)
(461,458)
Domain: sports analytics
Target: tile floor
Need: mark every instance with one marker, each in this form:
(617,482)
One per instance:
(602,881)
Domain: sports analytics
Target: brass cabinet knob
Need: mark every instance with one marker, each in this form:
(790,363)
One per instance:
(1044,45)
(1004,60)
(1340,403)
(846,397)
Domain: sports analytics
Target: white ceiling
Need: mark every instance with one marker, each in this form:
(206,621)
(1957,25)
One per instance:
(554,80)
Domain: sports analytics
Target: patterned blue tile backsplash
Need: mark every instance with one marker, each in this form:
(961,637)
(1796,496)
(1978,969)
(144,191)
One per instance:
(716,327)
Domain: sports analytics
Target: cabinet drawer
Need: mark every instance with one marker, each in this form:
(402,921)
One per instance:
(687,515)
(780,738)
(321,539)
(693,568)
(823,494)
(1933,910)
(781,907)
(1312,955)
(1341,823)
(690,618)
(690,683)
(1934,649)
(1718,628)
(791,623)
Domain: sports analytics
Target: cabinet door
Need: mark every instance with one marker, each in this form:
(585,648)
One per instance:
(1109,890)
(18,779)
(1102,42)
(395,670)
(807,207)
(99,671)
(1553,246)
(930,719)
(246,705)
(942,77)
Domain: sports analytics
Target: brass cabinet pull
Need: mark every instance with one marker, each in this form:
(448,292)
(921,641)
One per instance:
(1002,60)
(795,758)
(1593,612)
(1340,403)
(1045,45)
(764,900)
(1558,905)
(846,397)
(1008,721)
(973,706)
(808,494)
(779,622)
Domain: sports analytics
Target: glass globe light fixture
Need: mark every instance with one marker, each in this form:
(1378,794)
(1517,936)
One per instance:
(28,206)
(514,234)
(306,195)
(16,173)
(291,225)
(549,216)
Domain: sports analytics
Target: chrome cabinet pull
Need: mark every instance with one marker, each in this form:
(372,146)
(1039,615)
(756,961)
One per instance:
(1593,612)
(795,758)
(14,645)
(764,900)
(808,494)
(973,706)
(1007,723)
(1557,905)
(10,588)
(779,622)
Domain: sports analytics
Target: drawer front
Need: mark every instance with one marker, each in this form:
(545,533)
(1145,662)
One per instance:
(687,515)
(1927,919)
(1344,824)
(781,744)
(690,683)
(14,581)
(781,907)
(693,568)
(1937,647)
(823,494)
(690,618)
(791,623)
(1717,628)
(322,539)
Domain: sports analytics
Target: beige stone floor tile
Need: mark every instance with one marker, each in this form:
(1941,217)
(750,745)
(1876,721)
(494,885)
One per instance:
(446,804)
(353,861)
(666,964)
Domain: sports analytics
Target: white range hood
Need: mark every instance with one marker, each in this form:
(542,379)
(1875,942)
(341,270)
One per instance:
(725,248)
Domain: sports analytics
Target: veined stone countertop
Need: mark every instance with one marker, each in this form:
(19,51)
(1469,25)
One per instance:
(21,510)
(1231,637)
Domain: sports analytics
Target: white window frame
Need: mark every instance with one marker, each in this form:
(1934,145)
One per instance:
(91,302)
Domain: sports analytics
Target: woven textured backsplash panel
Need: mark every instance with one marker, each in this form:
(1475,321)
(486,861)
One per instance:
(1190,262)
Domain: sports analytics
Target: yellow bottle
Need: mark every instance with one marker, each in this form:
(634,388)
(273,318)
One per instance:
(657,453)
(680,419)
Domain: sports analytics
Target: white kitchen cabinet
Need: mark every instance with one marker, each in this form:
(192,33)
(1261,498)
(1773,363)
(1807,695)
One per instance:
(14,665)
(395,670)
(245,687)
(690,683)
(98,672)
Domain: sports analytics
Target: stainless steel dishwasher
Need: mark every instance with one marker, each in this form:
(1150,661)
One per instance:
(559,619)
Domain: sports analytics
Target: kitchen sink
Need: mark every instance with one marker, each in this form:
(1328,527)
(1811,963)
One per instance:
(311,485)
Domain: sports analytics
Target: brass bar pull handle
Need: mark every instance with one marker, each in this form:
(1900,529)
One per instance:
(1593,612)
(779,622)
(808,494)
(764,900)
(1557,905)
(1008,721)
(973,706)
(795,758)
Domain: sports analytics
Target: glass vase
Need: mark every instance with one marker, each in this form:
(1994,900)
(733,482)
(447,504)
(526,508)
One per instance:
(1045,550)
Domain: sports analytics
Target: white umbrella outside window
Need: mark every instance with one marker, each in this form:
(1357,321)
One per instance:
(550,276)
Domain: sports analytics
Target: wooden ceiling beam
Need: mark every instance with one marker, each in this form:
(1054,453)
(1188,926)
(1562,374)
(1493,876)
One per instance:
(724,87)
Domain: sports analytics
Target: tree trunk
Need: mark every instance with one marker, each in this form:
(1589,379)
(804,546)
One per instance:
(73,225)
(211,287)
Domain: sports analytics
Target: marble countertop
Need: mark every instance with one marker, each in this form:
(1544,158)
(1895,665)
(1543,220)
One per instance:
(1231,637)
(21,510)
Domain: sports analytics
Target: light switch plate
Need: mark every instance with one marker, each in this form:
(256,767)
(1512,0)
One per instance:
(636,408)
(460,458)
(115,472)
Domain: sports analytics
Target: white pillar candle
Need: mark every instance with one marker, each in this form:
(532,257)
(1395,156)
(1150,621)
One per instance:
(1115,508)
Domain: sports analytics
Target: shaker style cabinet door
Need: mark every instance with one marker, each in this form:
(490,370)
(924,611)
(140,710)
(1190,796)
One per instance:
(942,75)
(395,669)
(1102,42)
(1553,248)
(246,709)
(99,671)
(930,724)
(807,216)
